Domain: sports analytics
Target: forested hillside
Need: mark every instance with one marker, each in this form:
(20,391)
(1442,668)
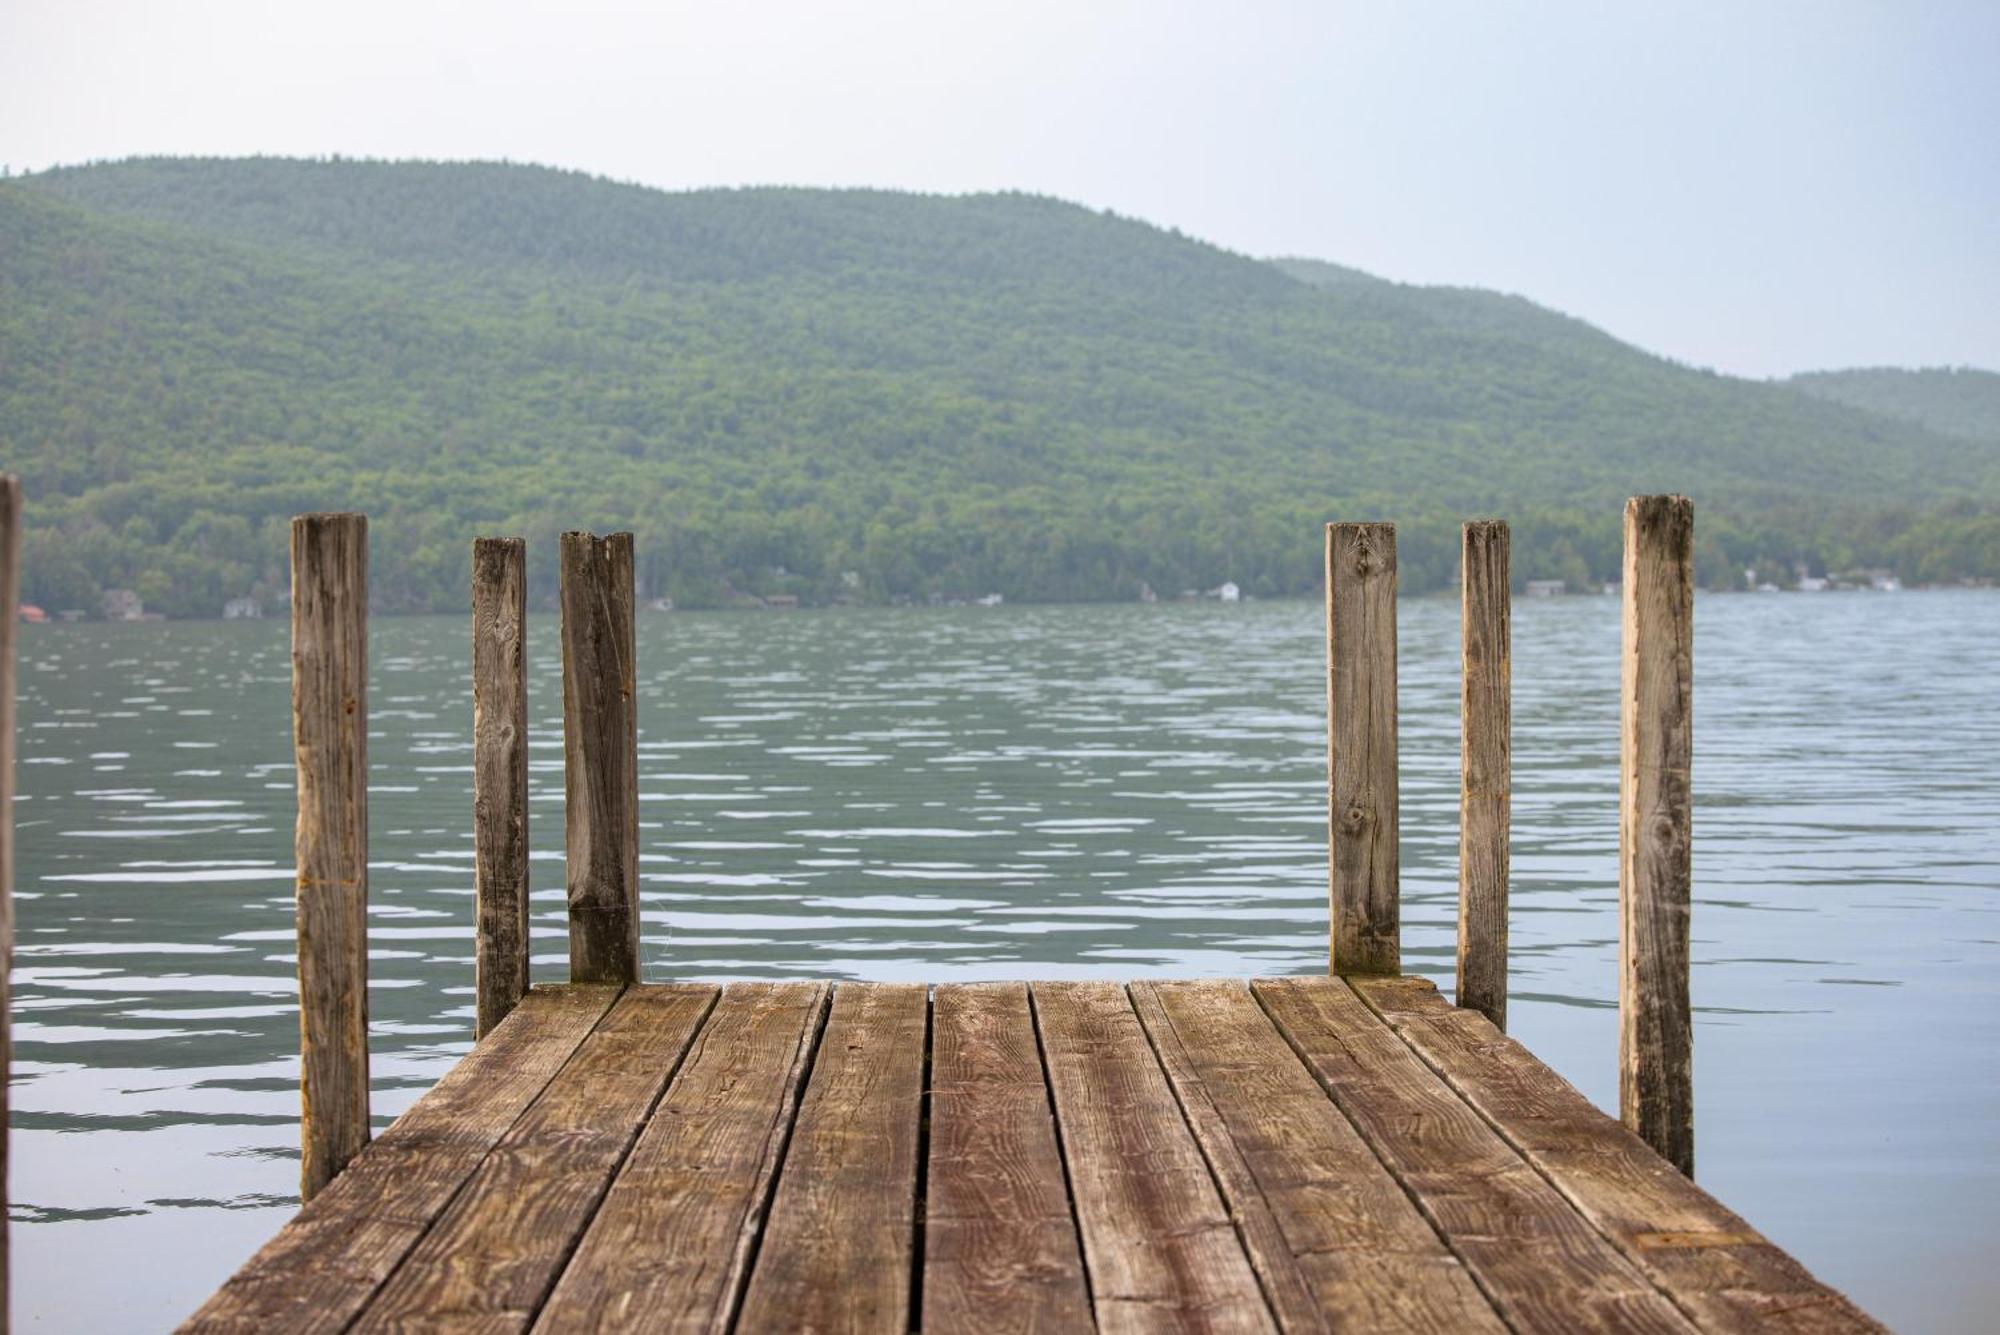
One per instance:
(845,394)
(1958,401)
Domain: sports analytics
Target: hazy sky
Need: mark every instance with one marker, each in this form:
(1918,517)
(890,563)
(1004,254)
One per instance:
(1758,186)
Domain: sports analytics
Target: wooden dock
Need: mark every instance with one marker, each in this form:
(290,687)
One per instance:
(1342,1152)
(1297,1154)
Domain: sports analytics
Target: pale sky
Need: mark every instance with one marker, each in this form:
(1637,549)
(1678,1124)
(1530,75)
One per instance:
(1761,186)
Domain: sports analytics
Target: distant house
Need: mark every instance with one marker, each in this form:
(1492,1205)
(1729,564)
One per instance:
(1228,592)
(122,605)
(1546,588)
(243,609)
(990,600)
(783,601)
(32,614)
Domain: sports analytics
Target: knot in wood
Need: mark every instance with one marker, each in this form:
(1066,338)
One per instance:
(1355,817)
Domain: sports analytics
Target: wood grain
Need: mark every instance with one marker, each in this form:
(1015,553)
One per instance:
(1000,1243)
(1542,1266)
(1714,1266)
(1336,1242)
(838,1250)
(1485,768)
(1362,831)
(600,758)
(330,744)
(1656,828)
(10,599)
(493,1255)
(500,775)
(316,1274)
(1158,1243)
(669,1249)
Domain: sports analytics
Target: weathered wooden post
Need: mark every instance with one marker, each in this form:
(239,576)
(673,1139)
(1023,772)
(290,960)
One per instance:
(1362,854)
(1655,828)
(600,758)
(330,741)
(500,775)
(1485,762)
(10,597)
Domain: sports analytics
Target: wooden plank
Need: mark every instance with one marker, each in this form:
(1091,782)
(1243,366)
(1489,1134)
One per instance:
(600,758)
(1542,1265)
(1336,1242)
(1714,1266)
(1161,1252)
(1000,1243)
(669,1248)
(1286,1288)
(1362,853)
(1485,765)
(316,1274)
(495,1252)
(838,1250)
(500,774)
(10,599)
(1656,828)
(330,745)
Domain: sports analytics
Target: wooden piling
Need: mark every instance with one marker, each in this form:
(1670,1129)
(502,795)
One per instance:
(600,758)
(1655,828)
(10,598)
(1362,854)
(1485,760)
(330,740)
(500,775)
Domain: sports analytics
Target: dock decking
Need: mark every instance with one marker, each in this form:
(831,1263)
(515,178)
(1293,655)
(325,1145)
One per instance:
(1295,1154)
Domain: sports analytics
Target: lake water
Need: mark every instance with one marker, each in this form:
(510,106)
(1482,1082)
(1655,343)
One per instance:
(1038,792)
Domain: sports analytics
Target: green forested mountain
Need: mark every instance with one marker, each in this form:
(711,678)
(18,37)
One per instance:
(845,394)
(1958,401)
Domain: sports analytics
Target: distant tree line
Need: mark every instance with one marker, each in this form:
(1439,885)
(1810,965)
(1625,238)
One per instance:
(847,396)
